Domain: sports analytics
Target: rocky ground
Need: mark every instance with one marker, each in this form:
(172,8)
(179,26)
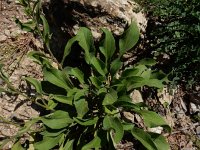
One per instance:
(182,113)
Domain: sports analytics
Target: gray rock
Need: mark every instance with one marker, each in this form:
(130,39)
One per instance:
(95,14)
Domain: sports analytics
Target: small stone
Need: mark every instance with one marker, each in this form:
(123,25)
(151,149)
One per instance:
(194,108)
(156,130)
(129,116)
(198,131)
(136,97)
(3,38)
(7,32)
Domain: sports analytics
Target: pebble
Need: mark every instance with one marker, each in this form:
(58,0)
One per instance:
(7,33)
(136,96)
(194,108)
(198,131)
(3,38)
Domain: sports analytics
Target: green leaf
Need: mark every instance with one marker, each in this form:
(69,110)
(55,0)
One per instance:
(85,40)
(128,126)
(57,78)
(126,105)
(80,93)
(17,146)
(130,72)
(147,62)
(115,66)
(144,138)
(86,122)
(102,91)
(67,49)
(27,26)
(160,75)
(141,68)
(134,82)
(114,123)
(63,99)
(3,76)
(152,119)
(27,126)
(23,2)
(69,145)
(94,144)
(154,83)
(81,106)
(2,90)
(110,97)
(57,120)
(35,83)
(52,133)
(159,141)
(47,143)
(51,105)
(129,38)
(146,74)
(78,74)
(40,58)
(99,66)
(95,81)
(107,45)
(46,32)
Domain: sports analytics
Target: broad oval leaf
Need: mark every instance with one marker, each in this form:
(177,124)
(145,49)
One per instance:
(47,143)
(63,99)
(17,146)
(114,123)
(35,83)
(69,145)
(27,26)
(159,141)
(52,133)
(94,144)
(99,66)
(86,122)
(96,81)
(57,120)
(67,49)
(129,38)
(144,138)
(130,72)
(115,66)
(46,32)
(152,119)
(85,40)
(110,97)
(57,78)
(81,106)
(147,62)
(78,74)
(126,105)
(40,58)
(107,45)
(154,83)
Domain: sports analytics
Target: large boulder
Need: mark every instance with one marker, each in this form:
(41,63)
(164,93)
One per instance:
(66,16)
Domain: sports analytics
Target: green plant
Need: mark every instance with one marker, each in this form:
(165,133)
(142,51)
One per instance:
(86,113)
(174,31)
(85,107)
